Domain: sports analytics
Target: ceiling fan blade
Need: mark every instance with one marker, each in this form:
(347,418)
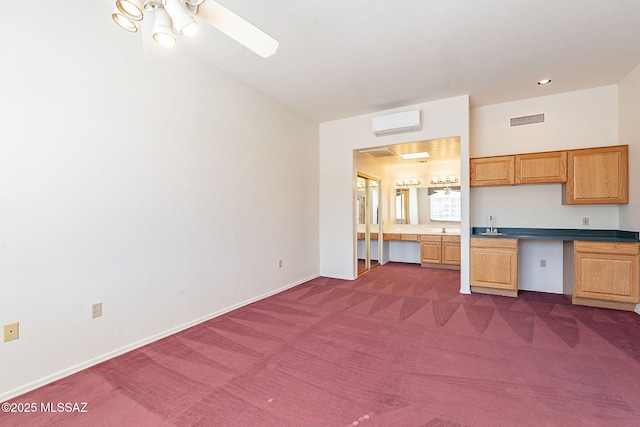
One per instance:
(237,28)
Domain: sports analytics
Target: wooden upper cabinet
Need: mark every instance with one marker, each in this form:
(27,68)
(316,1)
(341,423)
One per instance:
(597,176)
(537,168)
(492,171)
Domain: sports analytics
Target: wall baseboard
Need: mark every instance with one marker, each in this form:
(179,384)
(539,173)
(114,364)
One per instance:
(11,394)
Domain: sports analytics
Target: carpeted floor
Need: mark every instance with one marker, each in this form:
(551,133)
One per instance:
(399,346)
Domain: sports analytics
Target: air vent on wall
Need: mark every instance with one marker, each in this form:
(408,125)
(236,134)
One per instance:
(526,120)
(379,152)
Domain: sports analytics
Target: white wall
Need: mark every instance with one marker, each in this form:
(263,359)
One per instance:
(581,119)
(338,139)
(629,104)
(164,189)
(531,275)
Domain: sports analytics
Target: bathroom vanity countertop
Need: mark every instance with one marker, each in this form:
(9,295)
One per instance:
(422,230)
(559,234)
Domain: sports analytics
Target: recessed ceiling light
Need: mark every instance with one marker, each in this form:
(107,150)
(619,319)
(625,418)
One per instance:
(373,150)
(544,82)
(411,156)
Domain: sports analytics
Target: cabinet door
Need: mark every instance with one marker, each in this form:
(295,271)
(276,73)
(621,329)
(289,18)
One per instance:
(492,171)
(451,250)
(494,263)
(430,249)
(538,168)
(607,271)
(597,176)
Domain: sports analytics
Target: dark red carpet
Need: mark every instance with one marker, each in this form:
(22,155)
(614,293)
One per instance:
(399,346)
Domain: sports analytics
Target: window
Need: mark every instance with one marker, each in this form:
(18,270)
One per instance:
(445,205)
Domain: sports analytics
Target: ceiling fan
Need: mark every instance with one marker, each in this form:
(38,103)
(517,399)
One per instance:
(180,15)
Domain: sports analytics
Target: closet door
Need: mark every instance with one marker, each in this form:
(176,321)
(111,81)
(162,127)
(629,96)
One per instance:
(369,236)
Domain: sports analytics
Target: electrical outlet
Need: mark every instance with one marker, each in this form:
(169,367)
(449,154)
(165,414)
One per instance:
(96,310)
(279,263)
(543,263)
(585,221)
(11,331)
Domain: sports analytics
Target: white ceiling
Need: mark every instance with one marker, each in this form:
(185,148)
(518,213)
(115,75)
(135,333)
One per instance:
(440,150)
(341,58)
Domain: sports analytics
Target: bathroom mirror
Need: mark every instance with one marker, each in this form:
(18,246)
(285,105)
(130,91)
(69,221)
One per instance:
(423,205)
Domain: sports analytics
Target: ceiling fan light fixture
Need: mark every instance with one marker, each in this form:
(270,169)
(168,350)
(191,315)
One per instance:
(183,21)
(124,21)
(163,28)
(133,9)
(237,28)
(189,30)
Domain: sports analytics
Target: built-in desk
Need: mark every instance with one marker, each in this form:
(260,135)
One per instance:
(600,267)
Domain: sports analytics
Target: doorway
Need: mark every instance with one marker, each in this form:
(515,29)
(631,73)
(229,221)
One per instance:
(369,237)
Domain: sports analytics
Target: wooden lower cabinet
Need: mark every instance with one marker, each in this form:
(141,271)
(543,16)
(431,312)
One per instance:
(494,266)
(430,249)
(440,249)
(450,250)
(607,274)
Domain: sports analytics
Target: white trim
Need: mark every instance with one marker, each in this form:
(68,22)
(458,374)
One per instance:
(89,363)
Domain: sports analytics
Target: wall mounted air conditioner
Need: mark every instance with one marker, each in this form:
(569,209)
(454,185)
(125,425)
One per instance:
(407,121)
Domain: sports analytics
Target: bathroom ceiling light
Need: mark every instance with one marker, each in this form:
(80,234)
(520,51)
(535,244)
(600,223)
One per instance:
(407,183)
(544,82)
(412,156)
(444,180)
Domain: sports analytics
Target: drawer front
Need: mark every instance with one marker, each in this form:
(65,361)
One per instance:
(607,247)
(430,238)
(488,242)
(409,237)
(392,236)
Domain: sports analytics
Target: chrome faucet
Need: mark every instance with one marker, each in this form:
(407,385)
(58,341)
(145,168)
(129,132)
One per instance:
(491,229)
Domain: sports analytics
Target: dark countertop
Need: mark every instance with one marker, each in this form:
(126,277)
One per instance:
(560,234)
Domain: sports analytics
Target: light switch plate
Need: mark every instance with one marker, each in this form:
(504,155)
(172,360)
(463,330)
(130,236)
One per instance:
(11,331)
